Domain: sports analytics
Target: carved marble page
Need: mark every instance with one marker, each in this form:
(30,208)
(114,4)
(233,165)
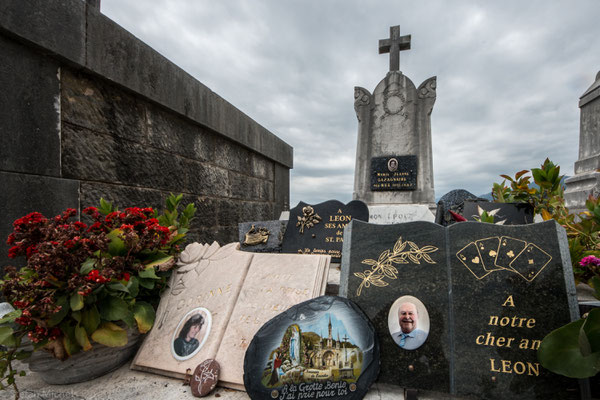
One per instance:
(274,283)
(207,283)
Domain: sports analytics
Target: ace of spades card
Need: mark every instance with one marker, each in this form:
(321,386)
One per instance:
(509,250)
(470,257)
(530,262)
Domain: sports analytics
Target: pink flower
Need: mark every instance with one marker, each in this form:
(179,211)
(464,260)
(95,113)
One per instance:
(589,261)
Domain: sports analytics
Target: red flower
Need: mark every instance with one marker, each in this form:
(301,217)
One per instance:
(126,276)
(31,250)
(126,227)
(79,225)
(14,251)
(11,239)
(94,276)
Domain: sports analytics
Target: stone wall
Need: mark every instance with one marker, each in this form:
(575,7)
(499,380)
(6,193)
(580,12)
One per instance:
(89,111)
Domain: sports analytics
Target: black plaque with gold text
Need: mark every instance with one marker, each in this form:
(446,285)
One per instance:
(394,173)
(319,228)
(463,309)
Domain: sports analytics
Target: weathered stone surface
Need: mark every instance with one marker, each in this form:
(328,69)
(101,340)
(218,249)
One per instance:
(474,281)
(205,378)
(586,180)
(399,213)
(319,228)
(321,348)
(261,167)
(29,111)
(452,201)
(22,194)
(58,26)
(116,54)
(261,236)
(281,184)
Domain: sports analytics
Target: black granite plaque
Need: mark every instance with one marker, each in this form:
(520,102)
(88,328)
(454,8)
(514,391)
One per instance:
(394,173)
(484,295)
(319,229)
(324,348)
(261,236)
(504,213)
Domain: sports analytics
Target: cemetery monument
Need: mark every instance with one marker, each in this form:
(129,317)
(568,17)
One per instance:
(587,178)
(394,165)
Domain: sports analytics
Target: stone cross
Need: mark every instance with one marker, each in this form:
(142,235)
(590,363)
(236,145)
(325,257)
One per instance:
(394,45)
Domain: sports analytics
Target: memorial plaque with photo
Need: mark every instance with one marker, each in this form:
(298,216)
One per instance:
(217,299)
(482,295)
(394,173)
(319,229)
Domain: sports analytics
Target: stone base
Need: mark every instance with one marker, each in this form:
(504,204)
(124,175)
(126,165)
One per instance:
(399,213)
(579,188)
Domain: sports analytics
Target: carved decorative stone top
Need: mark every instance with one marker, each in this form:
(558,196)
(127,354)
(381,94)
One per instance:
(394,45)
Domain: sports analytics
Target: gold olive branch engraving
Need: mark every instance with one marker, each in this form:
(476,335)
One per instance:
(384,268)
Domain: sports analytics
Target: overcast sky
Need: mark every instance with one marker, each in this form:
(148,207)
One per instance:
(509,76)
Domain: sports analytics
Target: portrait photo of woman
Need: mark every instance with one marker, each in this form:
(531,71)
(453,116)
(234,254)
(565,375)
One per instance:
(191,333)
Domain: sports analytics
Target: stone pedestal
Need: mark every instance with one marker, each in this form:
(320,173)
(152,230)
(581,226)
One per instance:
(586,180)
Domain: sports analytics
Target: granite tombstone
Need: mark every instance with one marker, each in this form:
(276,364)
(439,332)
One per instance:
(322,348)
(503,213)
(318,229)
(394,163)
(483,296)
(586,180)
(453,201)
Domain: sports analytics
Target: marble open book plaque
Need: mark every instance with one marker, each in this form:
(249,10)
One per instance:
(217,300)
(462,309)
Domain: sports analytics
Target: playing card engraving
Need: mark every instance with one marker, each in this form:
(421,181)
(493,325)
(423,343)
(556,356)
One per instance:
(488,255)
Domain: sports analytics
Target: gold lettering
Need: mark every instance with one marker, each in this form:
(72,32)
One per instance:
(479,337)
(509,300)
(535,368)
(532,322)
(535,344)
(504,321)
(493,320)
(492,366)
(519,368)
(506,366)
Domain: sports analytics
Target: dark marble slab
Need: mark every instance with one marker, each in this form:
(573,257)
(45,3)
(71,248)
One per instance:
(322,348)
(491,292)
(319,229)
(510,213)
(394,173)
(261,236)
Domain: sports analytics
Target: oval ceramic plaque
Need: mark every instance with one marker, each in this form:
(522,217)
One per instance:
(324,348)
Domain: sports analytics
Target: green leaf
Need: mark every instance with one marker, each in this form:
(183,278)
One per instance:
(23,354)
(113,308)
(110,335)
(116,247)
(117,287)
(133,286)
(82,338)
(6,336)
(76,302)
(87,266)
(57,317)
(106,207)
(10,317)
(560,353)
(144,315)
(147,283)
(69,341)
(148,273)
(591,327)
(155,263)
(90,319)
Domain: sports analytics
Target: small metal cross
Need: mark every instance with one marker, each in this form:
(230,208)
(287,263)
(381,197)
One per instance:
(394,45)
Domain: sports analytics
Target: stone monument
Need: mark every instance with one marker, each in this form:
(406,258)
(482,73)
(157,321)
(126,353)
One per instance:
(394,165)
(586,180)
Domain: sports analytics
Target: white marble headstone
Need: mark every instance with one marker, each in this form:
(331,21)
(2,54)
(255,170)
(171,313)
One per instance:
(399,213)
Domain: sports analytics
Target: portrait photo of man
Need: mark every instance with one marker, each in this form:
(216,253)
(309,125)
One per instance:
(409,336)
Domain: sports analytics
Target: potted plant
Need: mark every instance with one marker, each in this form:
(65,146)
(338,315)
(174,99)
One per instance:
(87,286)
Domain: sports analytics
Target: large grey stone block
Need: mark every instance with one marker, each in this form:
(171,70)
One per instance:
(281,190)
(586,180)
(119,56)
(22,194)
(57,26)
(29,107)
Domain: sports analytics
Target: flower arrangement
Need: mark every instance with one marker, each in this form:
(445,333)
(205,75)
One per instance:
(84,283)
